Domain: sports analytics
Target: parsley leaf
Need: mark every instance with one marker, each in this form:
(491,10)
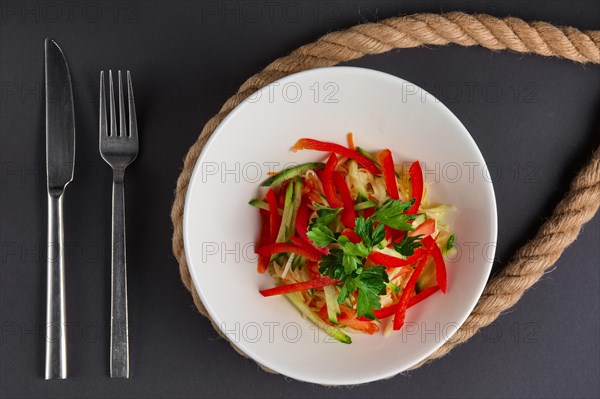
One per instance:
(332,265)
(367,300)
(350,264)
(345,261)
(370,235)
(359,249)
(349,287)
(321,235)
(353,255)
(391,214)
(326,215)
(370,283)
(407,246)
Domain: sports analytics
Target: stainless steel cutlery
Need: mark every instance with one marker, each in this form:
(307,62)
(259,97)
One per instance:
(60,162)
(118,147)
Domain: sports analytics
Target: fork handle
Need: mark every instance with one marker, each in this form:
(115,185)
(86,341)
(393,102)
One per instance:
(56,342)
(119,328)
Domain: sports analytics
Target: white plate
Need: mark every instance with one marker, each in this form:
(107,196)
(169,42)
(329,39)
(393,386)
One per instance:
(220,227)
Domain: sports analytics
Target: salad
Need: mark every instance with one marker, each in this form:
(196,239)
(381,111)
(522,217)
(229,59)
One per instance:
(352,241)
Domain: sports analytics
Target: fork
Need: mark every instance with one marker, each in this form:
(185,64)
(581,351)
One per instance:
(118,147)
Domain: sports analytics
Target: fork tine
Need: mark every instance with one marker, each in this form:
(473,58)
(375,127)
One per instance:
(113,116)
(122,125)
(103,124)
(133,133)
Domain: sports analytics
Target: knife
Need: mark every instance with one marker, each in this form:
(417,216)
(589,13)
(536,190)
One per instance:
(60,161)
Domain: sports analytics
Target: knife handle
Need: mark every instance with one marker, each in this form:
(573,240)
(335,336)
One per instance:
(119,324)
(56,343)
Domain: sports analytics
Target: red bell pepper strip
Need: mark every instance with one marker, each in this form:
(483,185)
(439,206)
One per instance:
(263,261)
(263,264)
(303,286)
(328,184)
(311,144)
(275,219)
(407,293)
(272,249)
(348,215)
(426,228)
(389,174)
(416,184)
(352,236)
(313,270)
(440,265)
(393,235)
(413,300)
(302,227)
(309,245)
(389,261)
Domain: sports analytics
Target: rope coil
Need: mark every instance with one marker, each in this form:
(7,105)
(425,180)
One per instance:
(577,207)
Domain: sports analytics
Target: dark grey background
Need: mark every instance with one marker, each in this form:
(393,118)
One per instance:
(535,119)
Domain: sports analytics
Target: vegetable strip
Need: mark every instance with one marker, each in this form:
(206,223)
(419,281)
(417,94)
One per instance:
(311,144)
(387,166)
(303,286)
(416,183)
(390,261)
(275,219)
(263,261)
(273,249)
(406,293)
(412,301)
(440,265)
(328,184)
(348,214)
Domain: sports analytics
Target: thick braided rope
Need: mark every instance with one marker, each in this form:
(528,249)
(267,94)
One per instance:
(534,258)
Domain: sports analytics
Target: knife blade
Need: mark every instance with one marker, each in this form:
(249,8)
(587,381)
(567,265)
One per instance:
(60,162)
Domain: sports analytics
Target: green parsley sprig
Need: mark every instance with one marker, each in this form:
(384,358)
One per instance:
(346,260)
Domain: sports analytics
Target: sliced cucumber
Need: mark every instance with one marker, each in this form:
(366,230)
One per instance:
(333,307)
(393,287)
(291,172)
(280,258)
(365,205)
(262,205)
(296,262)
(420,219)
(287,213)
(296,299)
(368,155)
(259,204)
(296,205)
